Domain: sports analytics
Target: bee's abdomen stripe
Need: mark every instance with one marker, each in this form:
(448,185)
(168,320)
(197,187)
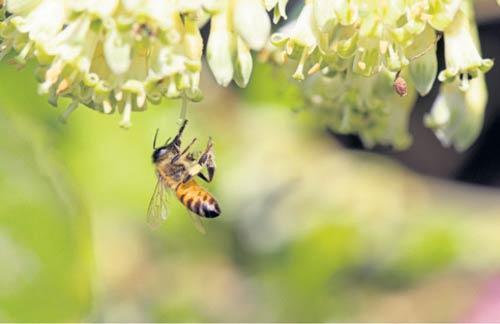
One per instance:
(189,203)
(198,200)
(197,208)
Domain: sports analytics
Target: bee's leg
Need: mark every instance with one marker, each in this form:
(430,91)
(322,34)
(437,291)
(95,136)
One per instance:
(189,146)
(196,170)
(204,177)
(178,156)
(181,129)
(210,165)
(193,171)
(207,160)
(177,138)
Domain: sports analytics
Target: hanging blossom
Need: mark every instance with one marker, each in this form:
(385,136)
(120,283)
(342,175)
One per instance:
(123,54)
(120,55)
(355,41)
(367,106)
(457,114)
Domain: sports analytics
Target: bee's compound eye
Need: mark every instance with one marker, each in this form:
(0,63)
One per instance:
(158,153)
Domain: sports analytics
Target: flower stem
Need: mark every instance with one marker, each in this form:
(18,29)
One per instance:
(183,114)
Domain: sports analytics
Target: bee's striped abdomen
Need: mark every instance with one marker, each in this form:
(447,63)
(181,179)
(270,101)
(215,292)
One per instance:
(197,199)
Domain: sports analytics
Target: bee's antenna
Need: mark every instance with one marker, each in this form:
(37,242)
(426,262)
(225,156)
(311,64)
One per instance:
(154,140)
(168,140)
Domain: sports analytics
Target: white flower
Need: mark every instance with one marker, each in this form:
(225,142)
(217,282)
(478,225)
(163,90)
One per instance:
(442,12)
(367,107)
(352,38)
(423,71)
(279,9)
(461,54)
(243,64)
(251,23)
(299,40)
(118,55)
(220,49)
(457,116)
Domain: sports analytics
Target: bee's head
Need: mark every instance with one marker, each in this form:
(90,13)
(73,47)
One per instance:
(160,154)
(170,149)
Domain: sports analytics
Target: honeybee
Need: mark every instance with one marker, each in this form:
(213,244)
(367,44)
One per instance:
(176,170)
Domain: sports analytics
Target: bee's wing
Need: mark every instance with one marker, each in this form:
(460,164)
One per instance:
(197,222)
(157,210)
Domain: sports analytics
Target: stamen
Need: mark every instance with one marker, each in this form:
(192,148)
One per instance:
(183,114)
(172,91)
(63,85)
(106,106)
(5,48)
(71,107)
(464,82)
(119,95)
(141,99)
(21,58)
(127,111)
(53,73)
(315,68)
(299,72)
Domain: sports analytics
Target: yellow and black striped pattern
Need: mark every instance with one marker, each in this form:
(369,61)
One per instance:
(197,199)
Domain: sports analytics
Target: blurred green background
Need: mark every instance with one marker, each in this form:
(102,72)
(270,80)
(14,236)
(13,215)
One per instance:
(309,230)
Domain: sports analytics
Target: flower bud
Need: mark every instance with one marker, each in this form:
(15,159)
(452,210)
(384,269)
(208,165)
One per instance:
(305,32)
(251,23)
(423,71)
(279,9)
(270,4)
(21,7)
(193,43)
(243,64)
(324,14)
(442,12)
(461,53)
(220,48)
(456,115)
(117,52)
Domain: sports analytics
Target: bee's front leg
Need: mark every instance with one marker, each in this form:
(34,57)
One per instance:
(180,155)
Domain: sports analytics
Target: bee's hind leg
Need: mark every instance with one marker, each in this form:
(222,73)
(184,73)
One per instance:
(206,160)
(194,170)
(210,172)
(204,177)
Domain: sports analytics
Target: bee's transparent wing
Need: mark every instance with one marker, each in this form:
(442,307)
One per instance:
(157,210)
(197,222)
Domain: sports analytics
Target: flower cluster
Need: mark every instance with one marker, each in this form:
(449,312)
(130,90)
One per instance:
(367,106)
(366,38)
(121,54)
(458,112)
